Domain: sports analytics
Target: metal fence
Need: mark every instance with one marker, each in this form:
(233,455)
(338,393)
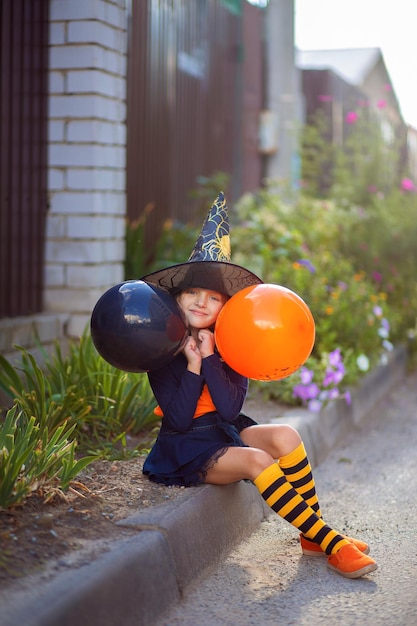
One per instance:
(23,151)
(186,103)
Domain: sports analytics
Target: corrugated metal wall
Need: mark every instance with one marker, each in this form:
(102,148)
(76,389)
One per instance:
(251,98)
(23,107)
(186,104)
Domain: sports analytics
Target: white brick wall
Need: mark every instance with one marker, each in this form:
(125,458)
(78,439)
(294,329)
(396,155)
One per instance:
(87,155)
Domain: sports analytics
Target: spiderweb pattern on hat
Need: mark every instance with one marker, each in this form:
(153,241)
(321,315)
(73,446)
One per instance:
(208,266)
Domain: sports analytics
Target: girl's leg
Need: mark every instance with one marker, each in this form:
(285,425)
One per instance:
(276,439)
(298,472)
(259,466)
(284,443)
(296,468)
(342,555)
(238,464)
(281,496)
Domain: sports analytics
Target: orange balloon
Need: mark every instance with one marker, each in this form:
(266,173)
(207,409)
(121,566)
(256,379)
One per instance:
(265,332)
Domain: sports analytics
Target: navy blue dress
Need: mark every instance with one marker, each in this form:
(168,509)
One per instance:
(186,447)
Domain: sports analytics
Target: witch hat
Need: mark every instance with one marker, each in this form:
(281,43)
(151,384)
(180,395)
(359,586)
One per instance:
(209,265)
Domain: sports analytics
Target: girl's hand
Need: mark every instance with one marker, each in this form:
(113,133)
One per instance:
(206,345)
(192,354)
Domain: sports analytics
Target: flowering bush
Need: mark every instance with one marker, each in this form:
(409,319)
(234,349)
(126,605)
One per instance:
(371,202)
(353,265)
(368,154)
(314,395)
(304,247)
(381,240)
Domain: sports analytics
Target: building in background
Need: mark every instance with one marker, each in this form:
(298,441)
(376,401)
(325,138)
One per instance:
(412,152)
(346,84)
(113,108)
(109,107)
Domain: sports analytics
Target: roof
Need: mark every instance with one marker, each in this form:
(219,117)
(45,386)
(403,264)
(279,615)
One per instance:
(353,64)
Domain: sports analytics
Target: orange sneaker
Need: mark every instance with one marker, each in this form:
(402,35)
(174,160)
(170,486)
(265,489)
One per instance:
(309,548)
(351,562)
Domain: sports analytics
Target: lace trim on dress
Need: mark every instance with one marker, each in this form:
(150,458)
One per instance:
(212,462)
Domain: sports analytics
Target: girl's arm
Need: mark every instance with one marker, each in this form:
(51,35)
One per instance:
(177,391)
(227,388)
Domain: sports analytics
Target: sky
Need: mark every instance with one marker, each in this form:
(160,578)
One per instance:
(390,25)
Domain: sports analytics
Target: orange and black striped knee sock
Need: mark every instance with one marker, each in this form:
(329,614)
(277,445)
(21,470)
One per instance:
(298,472)
(281,496)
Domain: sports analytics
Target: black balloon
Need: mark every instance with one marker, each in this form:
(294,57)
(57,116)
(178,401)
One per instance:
(137,327)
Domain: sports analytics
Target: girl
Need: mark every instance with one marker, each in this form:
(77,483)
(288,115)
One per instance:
(204,437)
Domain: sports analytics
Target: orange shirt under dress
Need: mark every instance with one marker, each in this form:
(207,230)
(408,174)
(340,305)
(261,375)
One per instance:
(205,405)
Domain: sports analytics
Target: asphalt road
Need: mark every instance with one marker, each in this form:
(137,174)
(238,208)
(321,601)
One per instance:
(367,488)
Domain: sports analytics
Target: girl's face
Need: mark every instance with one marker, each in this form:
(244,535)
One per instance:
(200,306)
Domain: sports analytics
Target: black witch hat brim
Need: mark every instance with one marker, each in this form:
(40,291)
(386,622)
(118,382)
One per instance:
(218,276)
(208,266)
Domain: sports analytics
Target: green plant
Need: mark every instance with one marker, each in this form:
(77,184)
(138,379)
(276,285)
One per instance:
(367,155)
(263,237)
(28,385)
(136,258)
(119,401)
(98,402)
(317,156)
(300,247)
(380,241)
(176,239)
(32,460)
(207,190)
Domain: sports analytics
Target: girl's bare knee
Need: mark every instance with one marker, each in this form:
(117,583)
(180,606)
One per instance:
(290,438)
(284,439)
(258,461)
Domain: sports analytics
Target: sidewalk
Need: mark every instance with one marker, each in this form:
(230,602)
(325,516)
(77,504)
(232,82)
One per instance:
(144,575)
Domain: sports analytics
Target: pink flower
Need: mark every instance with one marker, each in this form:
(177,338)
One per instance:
(314,406)
(351,117)
(381,104)
(333,394)
(306,375)
(407,184)
(335,358)
(387,87)
(325,98)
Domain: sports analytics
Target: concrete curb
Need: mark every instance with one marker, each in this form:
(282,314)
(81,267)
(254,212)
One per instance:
(142,576)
